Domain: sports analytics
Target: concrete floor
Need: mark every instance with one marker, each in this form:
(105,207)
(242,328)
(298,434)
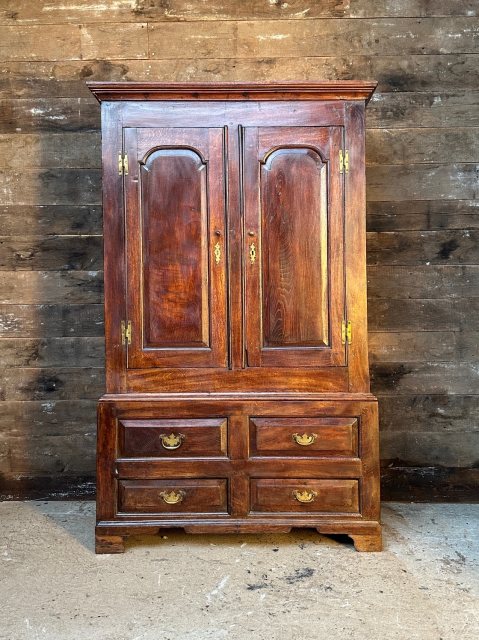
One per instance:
(288,587)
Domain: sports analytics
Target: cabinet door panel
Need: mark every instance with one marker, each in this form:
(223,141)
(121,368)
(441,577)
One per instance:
(176,250)
(293,216)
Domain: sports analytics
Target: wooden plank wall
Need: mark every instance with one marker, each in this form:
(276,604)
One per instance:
(423,212)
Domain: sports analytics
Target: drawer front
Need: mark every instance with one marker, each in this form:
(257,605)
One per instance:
(304,436)
(305,496)
(173,438)
(173,496)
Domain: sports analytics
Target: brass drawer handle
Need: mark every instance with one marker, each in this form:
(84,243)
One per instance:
(252,253)
(172,441)
(305,495)
(305,440)
(172,497)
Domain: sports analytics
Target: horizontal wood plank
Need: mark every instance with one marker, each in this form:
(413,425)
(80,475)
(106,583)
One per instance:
(418,8)
(274,39)
(49,287)
(53,253)
(414,146)
(422,182)
(66,150)
(114,41)
(424,109)
(47,418)
(51,220)
(390,378)
(443,314)
(428,215)
(51,320)
(457,246)
(446,449)
(51,186)
(48,454)
(418,73)
(431,346)
(43,11)
(52,352)
(50,115)
(52,383)
(429,413)
(45,42)
(432,281)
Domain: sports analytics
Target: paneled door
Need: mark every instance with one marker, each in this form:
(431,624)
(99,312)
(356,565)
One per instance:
(176,247)
(294,248)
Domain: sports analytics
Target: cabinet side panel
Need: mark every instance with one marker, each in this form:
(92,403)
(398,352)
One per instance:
(114,247)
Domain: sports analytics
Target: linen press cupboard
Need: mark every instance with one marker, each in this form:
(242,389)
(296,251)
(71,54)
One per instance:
(238,392)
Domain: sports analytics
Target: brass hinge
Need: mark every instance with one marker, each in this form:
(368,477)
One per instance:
(346,332)
(125,332)
(122,164)
(343,161)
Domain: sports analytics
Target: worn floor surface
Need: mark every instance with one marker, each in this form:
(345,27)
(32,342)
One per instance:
(300,586)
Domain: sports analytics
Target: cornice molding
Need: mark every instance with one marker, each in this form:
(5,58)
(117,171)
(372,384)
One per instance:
(327,90)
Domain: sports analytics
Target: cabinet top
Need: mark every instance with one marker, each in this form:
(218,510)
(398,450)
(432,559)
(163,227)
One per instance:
(325,90)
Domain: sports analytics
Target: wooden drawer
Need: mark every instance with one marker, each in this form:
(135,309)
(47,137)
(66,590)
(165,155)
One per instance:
(304,436)
(173,438)
(173,496)
(306,496)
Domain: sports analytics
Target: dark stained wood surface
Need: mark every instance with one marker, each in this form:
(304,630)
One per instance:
(259,488)
(193,438)
(175,195)
(199,496)
(293,217)
(278,495)
(336,90)
(329,436)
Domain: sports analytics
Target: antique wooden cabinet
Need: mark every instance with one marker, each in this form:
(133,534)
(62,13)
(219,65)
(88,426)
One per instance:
(237,376)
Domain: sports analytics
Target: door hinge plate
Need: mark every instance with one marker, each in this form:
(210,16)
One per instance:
(346,332)
(343,161)
(125,332)
(122,164)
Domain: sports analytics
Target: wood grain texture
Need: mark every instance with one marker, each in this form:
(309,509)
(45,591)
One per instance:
(24,12)
(406,36)
(416,73)
(51,220)
(427,215)
(421,150)
(51,320)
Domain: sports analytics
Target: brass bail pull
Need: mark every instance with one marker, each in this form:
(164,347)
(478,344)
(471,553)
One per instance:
(172,497)
(304,496)
(304,440)
(172,441)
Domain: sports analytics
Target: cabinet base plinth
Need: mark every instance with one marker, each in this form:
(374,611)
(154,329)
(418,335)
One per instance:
(366,535)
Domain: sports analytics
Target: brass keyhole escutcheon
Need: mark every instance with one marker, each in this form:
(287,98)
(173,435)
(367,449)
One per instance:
(172,497)
(172,441)
(217,252)
(304,440)
(252,253)
(305,496)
